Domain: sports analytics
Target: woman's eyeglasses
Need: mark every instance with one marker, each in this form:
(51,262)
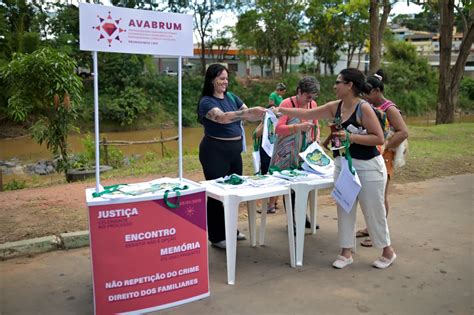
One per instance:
(339,81)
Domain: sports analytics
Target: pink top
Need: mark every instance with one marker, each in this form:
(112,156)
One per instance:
(283,129)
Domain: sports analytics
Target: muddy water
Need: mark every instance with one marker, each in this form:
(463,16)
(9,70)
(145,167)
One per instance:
(27,150)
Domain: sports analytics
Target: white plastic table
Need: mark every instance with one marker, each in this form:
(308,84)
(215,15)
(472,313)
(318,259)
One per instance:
(303,189)
(231,199)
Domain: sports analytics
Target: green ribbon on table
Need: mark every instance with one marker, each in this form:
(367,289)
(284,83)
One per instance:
(234,180)
(108,190)
(178,194)
(274,168)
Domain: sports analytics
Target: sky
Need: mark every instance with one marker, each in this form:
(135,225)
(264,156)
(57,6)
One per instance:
(402,8)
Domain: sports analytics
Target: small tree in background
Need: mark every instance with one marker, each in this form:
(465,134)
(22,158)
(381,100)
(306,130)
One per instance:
(45,90)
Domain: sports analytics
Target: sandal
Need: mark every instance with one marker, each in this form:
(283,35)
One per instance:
(367,242)
(362,233)
(342,262)
(383,262)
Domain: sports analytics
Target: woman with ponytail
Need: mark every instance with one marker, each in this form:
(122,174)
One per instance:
(398,132)
(364,136)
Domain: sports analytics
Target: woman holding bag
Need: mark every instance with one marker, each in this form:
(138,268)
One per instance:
(295,134)
(364,136)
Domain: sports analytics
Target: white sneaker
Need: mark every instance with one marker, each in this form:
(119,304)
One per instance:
(342,262)
(220,244)
(241,236)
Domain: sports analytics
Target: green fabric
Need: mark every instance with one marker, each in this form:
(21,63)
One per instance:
(347,152)
(178,194)
(234,180)
(257,141)
(108,190)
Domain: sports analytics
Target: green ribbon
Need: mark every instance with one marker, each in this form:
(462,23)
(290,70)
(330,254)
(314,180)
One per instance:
(178,194)
(234,180)
(347,153)
(257,141)
(107,190)
(273,169)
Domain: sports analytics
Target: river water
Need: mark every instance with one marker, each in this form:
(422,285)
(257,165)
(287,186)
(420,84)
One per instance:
(28,151)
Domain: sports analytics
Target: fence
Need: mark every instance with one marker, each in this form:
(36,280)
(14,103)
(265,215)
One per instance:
(161,141)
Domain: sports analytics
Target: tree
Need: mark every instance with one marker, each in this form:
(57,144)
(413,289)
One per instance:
(282,22)
(377,28)
(326,31)
(250,35)
(357,27)
(450,77)
(45,90)
(222,41)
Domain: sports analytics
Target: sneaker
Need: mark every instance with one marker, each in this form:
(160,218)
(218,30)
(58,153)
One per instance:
(342,262)
(383,262)
(220,244)
(241,236)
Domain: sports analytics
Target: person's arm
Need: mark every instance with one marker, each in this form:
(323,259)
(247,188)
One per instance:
(401,130)
(252,114)
(327,111)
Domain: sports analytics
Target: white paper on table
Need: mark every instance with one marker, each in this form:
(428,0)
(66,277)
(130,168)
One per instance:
(266,181)
(347,187)
(256,161)
(269,134)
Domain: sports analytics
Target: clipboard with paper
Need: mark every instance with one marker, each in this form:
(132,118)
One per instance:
(347,186)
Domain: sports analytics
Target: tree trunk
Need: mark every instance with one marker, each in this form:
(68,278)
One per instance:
(445,109)
(203,57)
(450,78)
(377,28)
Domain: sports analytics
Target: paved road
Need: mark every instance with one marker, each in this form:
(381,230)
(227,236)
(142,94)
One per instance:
(432,231)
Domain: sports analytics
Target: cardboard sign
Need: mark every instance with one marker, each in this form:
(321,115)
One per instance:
(122,30)
(146,256)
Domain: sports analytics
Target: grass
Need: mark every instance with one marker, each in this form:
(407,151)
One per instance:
(434,151)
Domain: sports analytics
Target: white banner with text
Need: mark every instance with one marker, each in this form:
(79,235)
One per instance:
(122,30)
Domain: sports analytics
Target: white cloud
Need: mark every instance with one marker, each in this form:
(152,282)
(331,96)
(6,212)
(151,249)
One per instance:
(402,8)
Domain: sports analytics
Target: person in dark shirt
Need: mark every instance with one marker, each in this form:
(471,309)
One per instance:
(364,136)
(221,113)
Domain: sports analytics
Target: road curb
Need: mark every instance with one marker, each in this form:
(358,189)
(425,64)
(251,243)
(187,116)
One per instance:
(44,244)
(28,247)
(75,239)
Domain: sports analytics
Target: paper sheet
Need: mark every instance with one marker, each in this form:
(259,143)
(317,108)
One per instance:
(347,188)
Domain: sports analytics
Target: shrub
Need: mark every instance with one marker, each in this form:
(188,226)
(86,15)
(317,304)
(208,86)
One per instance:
(130,105)
(14,185)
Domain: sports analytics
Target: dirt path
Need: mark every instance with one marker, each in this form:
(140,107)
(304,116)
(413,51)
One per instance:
(36,212)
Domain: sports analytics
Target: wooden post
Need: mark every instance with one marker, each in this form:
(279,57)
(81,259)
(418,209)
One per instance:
(1,179)
(162,145)
(106,151)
